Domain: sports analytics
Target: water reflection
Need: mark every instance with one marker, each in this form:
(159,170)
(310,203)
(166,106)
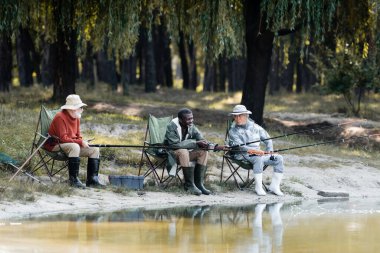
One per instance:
(263,240)
(342,226)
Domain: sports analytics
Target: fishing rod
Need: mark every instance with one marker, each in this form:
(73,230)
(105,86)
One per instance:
(313,130)
(211,146)
(320,143)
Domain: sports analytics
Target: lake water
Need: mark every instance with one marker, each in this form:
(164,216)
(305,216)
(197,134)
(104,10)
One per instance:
(313,226)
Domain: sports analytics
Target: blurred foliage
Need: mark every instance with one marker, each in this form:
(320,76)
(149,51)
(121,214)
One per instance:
(351,77)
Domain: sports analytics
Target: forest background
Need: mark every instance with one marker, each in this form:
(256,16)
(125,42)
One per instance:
(307,56)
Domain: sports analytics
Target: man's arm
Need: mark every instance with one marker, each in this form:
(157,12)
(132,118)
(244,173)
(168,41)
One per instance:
(265,136)
(235,139)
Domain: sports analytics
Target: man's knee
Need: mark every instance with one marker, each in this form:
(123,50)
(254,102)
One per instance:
(182,153)
(279,164)
(94,152)
(258,164)
(183,157)
(203,156)
(279,160)
(73,150)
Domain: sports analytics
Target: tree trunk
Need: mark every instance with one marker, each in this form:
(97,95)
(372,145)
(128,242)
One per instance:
(166,55)
(5,62)
(128,73)
(236,73)
(64,78)
(106,69)
(24,60)
(184,64)
(88,75)
(259,50)
(167,62)
(36,57)
(287,77)
(162,55)
(193,82)
(275,70)
(209,82)
(124,75)
(49,60)
(222,74)
(141,56)
(150,69)
(158,45)
(300,77)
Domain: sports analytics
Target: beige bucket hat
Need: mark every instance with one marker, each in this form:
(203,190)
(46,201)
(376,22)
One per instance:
(73,102)
(240,109)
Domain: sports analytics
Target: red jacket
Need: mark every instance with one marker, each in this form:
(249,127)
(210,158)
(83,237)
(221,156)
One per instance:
(65,128)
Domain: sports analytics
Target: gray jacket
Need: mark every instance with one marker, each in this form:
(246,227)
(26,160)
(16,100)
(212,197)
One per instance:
(250,132)
(173,138)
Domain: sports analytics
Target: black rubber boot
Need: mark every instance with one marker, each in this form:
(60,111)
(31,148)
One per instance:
(74,172)
(199,177)
(93,172)
(188,174)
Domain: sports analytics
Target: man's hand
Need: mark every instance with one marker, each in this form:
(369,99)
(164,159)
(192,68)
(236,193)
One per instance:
(202,144)
(219,148)
(85,144)
(256,152)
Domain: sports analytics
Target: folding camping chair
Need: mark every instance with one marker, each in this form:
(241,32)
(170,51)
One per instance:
(156,157)
(52,162)
(15,165)
(239,169)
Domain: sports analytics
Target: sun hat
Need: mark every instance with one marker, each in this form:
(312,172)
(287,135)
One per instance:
(73,102)
(240,109)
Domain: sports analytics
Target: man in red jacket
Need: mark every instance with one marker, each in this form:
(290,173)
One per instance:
(65,135)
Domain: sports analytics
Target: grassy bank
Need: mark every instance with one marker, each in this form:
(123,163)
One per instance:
(122,120)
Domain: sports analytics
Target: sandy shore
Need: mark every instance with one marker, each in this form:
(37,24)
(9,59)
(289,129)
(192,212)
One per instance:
(300,183)
(304,178)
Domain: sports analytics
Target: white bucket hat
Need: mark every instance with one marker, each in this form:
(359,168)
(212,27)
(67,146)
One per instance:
(240,109)
(73,102)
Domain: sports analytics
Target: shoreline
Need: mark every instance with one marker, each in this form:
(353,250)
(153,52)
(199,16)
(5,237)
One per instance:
(103,201)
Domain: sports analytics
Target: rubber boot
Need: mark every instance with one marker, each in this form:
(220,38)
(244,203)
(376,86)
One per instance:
(259,184)
(188,174)
(92,173)
(73,172)
(199,177)
(275,184)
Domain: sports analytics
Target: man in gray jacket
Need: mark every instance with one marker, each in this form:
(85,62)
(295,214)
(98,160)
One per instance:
(246,136)
(187,144)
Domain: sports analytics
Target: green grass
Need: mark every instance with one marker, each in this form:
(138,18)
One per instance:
(19,113)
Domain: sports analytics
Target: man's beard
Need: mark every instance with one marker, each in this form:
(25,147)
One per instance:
(78,115)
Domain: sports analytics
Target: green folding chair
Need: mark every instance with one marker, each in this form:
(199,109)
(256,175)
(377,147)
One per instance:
(51,162)
(239,170)
(156,158)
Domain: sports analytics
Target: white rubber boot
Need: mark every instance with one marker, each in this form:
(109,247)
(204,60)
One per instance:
(259,185)
(275,184)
